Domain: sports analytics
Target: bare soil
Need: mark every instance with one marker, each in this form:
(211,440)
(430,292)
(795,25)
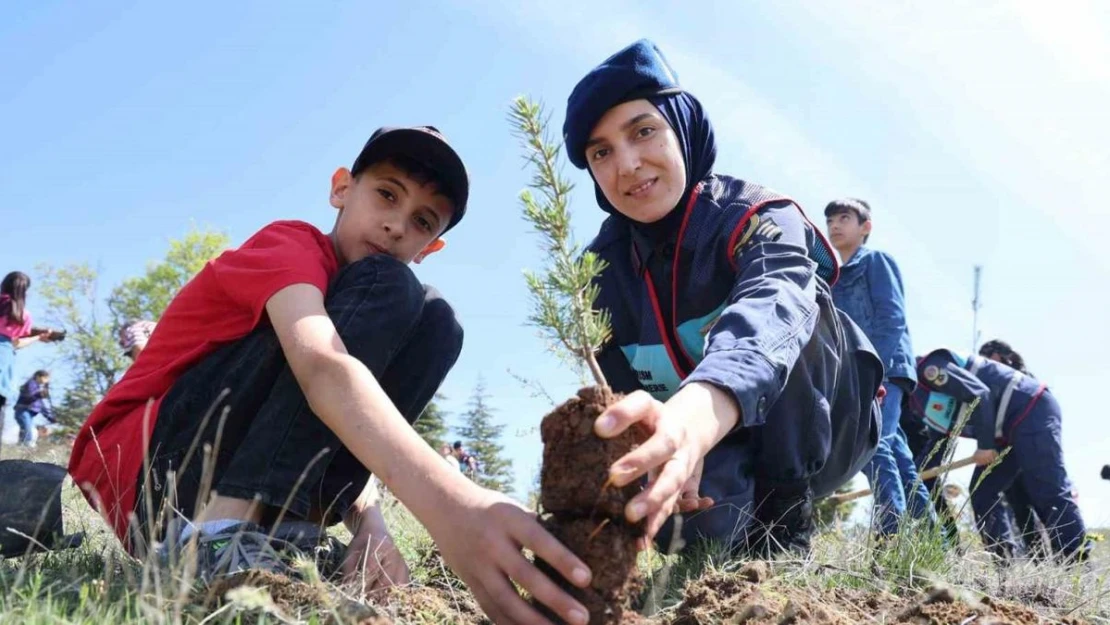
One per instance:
(750,596)
(732,598)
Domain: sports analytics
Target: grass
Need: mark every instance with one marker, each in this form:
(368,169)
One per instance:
(98,583)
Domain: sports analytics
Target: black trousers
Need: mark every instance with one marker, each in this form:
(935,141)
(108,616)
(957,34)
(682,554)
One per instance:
(270,446)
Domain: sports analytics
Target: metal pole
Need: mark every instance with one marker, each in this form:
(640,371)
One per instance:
(975,305)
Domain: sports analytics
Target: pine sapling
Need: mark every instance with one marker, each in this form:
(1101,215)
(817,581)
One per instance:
(583,509)
(564,291)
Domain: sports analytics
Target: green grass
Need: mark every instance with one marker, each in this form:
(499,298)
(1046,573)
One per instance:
(98,583)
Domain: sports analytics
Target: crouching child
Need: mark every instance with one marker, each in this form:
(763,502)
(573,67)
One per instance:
(286,372)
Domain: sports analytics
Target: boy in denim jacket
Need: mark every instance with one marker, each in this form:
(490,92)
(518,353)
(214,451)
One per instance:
(870,291)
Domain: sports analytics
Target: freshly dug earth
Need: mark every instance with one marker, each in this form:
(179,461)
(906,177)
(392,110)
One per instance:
(586,513)
(289,596)
(749,596)
(731,598)
(290,599)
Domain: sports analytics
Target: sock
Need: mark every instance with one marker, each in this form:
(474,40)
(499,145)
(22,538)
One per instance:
(209,527)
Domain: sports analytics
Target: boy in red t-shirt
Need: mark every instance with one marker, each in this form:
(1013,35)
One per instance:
(283,374)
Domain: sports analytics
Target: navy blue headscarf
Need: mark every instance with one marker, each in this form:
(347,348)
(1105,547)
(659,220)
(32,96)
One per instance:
(640,71)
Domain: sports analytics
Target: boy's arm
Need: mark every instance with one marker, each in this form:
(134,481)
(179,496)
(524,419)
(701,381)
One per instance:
(889,303)
(950,378)
(479,531)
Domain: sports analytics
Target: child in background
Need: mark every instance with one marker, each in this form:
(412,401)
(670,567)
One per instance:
(134,335)
(34,399)
(870,292)
(1017,411)
(16,332)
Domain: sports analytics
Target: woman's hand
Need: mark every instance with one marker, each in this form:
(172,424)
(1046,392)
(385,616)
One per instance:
(680,433)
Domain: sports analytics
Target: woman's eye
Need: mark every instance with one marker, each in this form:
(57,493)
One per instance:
(646,131)
(600,153)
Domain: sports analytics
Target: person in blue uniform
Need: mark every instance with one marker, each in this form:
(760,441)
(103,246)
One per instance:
(1028,527)
(1014,411)
(870,291)
(757,393)
(923,443)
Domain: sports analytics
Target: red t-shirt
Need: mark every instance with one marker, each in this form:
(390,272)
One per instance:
(221,304)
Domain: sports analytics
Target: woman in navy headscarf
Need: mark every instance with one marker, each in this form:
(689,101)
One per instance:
(757,393)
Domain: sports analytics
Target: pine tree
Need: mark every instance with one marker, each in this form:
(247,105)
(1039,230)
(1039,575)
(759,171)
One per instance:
(431,425)
(481,436)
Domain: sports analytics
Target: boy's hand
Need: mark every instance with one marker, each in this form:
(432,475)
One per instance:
(680,432)
(372,558)
(481,540)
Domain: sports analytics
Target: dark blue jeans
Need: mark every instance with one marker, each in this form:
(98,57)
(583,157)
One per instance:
(404,332)
(1037,459)
(892,474)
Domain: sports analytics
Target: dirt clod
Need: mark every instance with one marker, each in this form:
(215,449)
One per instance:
(289,595)
(586,513)
(755,572)
(609,552)
(574,479)
(939,594)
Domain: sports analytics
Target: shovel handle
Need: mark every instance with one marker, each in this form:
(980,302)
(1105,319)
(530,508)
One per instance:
(925,475)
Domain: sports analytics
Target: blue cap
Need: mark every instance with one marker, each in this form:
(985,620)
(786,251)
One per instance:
(638,71)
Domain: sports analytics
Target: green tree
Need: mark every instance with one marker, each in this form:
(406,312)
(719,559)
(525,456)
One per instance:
(481,436)
(431,425)
(77,401)
(146,296)
(91,352)
(564,293)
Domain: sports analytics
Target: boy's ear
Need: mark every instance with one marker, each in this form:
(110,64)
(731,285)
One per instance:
(866,229)
(341,180)
(431,248)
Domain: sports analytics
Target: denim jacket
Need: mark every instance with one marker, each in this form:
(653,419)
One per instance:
(870,291)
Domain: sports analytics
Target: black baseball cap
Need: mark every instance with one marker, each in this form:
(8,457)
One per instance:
(428,146)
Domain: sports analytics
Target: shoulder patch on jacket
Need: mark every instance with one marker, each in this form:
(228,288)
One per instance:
(760,229)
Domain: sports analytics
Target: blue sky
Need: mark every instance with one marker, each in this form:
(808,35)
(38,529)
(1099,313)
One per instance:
(978,134)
